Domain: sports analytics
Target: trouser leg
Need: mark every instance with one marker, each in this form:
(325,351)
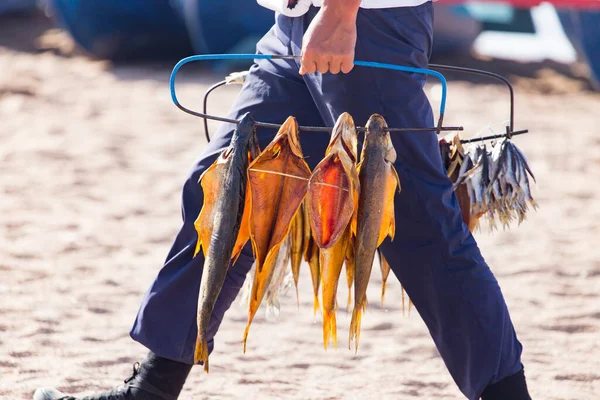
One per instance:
(166,321)
(433,254)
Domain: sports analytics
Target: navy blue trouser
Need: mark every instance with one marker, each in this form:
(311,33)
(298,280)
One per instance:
(433,254)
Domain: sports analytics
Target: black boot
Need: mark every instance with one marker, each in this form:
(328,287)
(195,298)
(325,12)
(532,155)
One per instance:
(156,378)
(513,387)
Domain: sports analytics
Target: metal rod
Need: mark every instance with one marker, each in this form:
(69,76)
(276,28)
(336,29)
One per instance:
(314,128)
(502,135)
(484,73)
(210,89)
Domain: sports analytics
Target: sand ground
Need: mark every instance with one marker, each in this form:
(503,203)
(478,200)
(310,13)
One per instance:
(93,157)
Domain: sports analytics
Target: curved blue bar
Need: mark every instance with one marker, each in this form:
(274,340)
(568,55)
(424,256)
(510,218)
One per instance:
(204,57)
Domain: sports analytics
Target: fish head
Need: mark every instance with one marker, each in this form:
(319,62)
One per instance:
(377,135)
(289,131)
(344,132)
(243,137)
(245,131)
(444,151)
(456,146)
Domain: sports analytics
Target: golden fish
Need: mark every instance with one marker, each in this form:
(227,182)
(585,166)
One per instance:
(278,183)
(331,199)
(375,217)
(226,218)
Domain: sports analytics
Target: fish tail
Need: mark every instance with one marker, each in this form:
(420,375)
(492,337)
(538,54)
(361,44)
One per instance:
(247,330)
(201,353)
(329,329)
(355,327)
(534,204)
(198,244)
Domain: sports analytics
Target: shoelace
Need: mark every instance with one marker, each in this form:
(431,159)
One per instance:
(136,371)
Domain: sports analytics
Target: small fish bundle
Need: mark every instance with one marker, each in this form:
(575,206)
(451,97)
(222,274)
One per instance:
(223,214)
(474,174)
(509,189)
(453,157)
(331,202)
(497,183)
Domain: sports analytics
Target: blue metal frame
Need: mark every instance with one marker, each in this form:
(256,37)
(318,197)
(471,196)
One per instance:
(206,57)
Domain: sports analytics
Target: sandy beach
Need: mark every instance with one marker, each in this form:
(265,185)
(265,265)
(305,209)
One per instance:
(93,157)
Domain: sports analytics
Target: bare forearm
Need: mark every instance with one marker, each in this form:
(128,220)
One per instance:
(344,8)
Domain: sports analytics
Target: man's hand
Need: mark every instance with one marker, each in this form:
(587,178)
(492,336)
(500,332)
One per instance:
(328,43)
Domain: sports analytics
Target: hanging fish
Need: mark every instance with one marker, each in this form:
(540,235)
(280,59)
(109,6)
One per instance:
(453,157)
(226,216)
(331,201)
(375,218)
(509,190)
(278,183)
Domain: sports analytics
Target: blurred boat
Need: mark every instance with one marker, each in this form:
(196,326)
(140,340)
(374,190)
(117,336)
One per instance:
(124,29)
(12,6)
(219,26)
(454,30)
(582,27)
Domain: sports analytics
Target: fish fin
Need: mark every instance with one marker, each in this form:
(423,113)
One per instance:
(388,223)
(350,271)
(210,183)
(385,272)
(297,234)
(315,271)
(397,178)
(244,232)
(198,244)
